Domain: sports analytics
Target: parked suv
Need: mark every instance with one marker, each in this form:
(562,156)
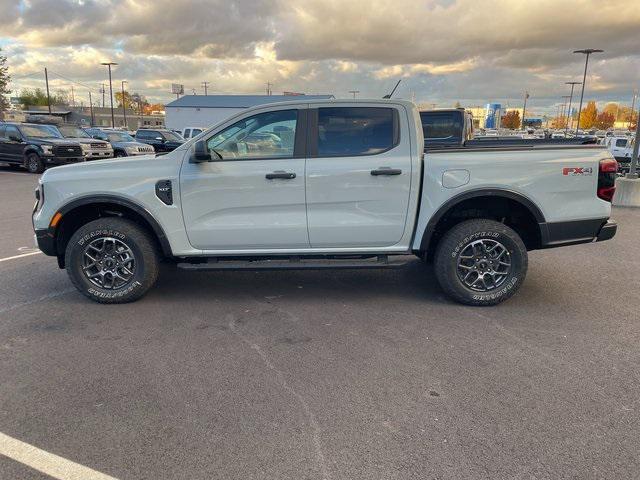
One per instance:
(36,146)
(123,144)
(161,140)
(91,148)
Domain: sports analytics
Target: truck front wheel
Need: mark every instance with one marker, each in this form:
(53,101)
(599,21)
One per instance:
(34,163)
(481,262)
(112,260)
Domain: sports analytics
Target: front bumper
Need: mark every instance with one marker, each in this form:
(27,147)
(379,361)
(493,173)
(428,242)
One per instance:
(62,160)
(607,232)
(46,241)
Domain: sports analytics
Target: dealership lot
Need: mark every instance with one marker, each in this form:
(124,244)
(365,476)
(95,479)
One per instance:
(307,374)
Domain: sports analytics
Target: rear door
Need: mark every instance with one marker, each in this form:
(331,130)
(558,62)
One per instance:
(358,176)
(253,197)
(13,144)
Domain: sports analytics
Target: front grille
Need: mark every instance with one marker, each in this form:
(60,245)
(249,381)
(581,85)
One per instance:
(99,145)
(67,151)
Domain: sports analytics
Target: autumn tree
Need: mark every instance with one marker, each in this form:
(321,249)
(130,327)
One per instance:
(511,120)
(153,107)
(4,82)
(588,115)
(128,100)
(604,120)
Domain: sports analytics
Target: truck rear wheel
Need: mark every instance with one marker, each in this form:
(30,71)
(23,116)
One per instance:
(112,260)
(34,163)
(481,262)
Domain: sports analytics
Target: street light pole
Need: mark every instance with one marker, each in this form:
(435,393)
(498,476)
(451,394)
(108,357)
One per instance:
(524,108)
(587,52)
(633,169)
(124,108)
(113,117)
(564,106)
(573,84)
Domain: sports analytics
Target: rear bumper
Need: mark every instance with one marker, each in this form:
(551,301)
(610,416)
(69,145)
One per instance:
(560,234)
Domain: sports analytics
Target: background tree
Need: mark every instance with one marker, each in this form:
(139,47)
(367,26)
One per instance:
(604,120)
(38,97)
(588,115)
(4,82)
(128,99)
(511,120)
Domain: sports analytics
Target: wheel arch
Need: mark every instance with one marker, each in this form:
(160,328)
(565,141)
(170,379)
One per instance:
(80,211)
(486,198)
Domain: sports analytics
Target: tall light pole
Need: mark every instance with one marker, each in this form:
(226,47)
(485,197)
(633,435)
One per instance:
(573,84)
(206,86)
(633,106)
(524,108)
(587,52)
(124,108)
(113,117)
(564,106)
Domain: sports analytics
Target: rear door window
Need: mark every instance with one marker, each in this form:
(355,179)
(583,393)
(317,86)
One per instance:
(354,131)
(621,142)
(439,127)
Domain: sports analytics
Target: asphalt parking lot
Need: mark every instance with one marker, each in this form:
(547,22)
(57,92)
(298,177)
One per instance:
(323,375)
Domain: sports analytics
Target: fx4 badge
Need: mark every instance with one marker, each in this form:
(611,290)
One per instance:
(574,171)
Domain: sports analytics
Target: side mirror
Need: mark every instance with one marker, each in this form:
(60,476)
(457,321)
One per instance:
(201,154)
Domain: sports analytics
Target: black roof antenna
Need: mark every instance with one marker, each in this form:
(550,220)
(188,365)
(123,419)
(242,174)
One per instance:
(393,91)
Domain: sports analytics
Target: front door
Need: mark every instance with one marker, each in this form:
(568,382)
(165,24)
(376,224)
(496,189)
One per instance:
(252,195)
(13,144)
(358,176)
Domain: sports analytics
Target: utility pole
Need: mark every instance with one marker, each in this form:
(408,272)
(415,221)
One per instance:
(46,81)
(269,85)
(524,108)
(564,106)
(587,52)
(113,118)
(103,92)
(573,84)
(91,109)
(205,85)
(73,98)
(124,104)
(354,92)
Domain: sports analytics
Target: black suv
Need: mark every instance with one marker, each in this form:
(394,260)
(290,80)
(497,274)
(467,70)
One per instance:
(160,139)
(36,146)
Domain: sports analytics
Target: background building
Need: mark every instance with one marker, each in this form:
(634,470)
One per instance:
(206,110)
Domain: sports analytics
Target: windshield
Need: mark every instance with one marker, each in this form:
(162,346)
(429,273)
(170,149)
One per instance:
(120,137)
(172,136)
(73,132)
(39,131)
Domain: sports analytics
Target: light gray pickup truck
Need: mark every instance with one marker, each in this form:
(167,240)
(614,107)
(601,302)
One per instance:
(323,184)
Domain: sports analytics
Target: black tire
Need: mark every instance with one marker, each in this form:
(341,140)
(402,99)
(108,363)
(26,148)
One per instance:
(34,163)
(483,234)
(119,153)
(124,233)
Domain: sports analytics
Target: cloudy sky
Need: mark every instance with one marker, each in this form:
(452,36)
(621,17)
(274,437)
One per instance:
(472,51)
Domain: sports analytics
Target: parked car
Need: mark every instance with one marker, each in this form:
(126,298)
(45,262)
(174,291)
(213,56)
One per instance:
(92,148)
(36,147)
(191,132)
(347,186)
(160,139)
(123,144)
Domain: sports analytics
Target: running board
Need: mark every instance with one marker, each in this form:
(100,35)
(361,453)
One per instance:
(296,263)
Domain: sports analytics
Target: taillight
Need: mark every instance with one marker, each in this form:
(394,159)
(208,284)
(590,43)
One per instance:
(607,174)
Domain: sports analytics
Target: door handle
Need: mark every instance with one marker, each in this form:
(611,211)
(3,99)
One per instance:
(386,171)
(280,174)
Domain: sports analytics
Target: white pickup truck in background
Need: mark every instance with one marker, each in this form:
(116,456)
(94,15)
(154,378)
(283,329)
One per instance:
(323,184)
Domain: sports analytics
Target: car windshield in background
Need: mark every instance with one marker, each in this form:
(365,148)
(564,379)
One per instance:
(172,136)
(73,132)
(120,137)
(39,131)
(441,126)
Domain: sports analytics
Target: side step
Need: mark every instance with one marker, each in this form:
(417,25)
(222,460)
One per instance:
(296,263)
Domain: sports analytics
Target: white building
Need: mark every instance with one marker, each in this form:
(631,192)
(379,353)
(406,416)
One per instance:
(207,110)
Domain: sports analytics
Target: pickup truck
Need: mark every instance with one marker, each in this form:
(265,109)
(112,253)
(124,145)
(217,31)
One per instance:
(92,149)
(621,147)
(36,147)
(323,184)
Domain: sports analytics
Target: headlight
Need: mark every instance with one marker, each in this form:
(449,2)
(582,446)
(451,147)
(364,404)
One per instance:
(47,149)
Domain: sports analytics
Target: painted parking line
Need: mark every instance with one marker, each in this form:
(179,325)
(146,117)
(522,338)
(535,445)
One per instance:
(45,462)
(19,256)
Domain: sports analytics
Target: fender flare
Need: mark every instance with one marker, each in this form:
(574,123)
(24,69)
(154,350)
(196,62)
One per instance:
(124,202)
(483,192)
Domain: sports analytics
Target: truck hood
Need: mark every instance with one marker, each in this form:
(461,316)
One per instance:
(85,141)
(51,141)
(93,169)
(129,144)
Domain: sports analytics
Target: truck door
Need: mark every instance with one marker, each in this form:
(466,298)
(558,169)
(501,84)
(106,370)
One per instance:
(358,176)
(252,195)
(13,144)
